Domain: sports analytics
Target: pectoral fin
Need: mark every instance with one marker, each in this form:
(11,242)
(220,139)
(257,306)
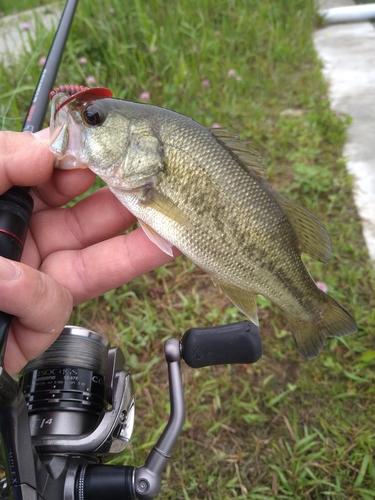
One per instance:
(167,207)
(158,240)
(243,299)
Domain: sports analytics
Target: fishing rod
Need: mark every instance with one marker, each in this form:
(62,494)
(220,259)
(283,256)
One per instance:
(16,205)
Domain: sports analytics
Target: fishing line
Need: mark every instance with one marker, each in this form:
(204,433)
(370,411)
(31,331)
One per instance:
(72,348)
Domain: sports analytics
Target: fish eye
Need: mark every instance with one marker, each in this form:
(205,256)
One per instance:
(92,116)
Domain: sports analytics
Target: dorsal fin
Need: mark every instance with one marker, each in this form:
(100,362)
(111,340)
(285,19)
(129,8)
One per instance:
(249,159)
(312,236)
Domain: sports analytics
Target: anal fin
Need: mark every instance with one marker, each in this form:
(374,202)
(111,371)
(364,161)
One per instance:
(243,299)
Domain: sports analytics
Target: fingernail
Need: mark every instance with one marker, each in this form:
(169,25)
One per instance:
(9,271)
(42,135)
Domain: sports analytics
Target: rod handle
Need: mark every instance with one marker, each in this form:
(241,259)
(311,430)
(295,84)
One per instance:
(16,206)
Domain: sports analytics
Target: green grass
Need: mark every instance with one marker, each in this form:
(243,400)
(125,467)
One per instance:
(284,427)
(8,8)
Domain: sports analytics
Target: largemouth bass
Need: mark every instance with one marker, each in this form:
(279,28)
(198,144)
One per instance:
(203,191)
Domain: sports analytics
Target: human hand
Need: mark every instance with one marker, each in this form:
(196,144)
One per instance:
(71,254)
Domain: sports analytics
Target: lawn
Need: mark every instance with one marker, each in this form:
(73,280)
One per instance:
(282,428)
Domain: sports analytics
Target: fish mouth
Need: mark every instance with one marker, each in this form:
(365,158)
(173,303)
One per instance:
(65,142)
(69,162)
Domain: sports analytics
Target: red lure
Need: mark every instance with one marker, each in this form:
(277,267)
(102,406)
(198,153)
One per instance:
(75,91)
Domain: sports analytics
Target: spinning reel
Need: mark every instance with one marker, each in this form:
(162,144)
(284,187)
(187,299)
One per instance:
(73,410)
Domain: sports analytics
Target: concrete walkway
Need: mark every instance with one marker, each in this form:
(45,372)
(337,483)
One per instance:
(16,29)
(348,54)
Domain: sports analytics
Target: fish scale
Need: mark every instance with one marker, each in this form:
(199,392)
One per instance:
(203,192)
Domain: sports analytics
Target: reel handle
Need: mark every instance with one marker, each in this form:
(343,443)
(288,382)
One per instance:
(222,345)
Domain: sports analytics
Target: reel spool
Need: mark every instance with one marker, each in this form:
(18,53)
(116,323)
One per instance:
(64,388)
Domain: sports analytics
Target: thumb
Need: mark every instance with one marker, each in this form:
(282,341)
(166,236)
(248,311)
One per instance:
(25,160)
(42,307)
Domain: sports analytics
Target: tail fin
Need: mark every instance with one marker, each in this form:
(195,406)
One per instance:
(332,320)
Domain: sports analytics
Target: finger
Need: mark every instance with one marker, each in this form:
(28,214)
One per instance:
(62,187)
(40,303)
(24,160)
(32,296)
(25,344)
(96,218)
(95,270)
(43,134)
